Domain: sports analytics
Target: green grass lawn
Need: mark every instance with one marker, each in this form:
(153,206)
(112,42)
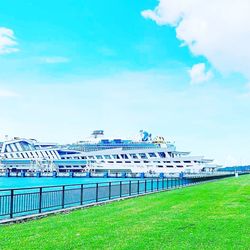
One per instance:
(208,216)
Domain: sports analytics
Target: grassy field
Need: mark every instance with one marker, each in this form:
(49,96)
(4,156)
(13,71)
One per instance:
(209,216)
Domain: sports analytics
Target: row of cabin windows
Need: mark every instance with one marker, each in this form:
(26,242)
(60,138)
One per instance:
(69,166)
(133,156)
(122,156)
(32,154)
(177,161)
(83,166)
(159,166)
(19,146)
(109,157)
(169,166)
(114,156)
(77,157)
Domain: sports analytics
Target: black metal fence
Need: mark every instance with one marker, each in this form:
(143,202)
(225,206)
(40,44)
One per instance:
(34,200)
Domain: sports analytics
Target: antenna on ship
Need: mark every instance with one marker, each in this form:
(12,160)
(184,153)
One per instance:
(97,133)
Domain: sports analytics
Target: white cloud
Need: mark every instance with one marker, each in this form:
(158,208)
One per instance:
(198,74)
(7,93)
(7,41)
(216,29)
(54,59)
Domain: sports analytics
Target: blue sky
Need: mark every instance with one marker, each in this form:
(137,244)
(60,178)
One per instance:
(78,65)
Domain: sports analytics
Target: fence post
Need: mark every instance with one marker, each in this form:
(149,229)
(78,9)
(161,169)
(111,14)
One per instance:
(81,194)
(40,199)
(157,184)
(162,183)
(145,186)
(152,185)
(109,190)
(63,194)
(120,188)
(129,188)
(11,202)
(138,187)
(96,198)
(167,183)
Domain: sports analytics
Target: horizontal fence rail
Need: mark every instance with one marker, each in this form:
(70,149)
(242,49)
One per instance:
(37,200)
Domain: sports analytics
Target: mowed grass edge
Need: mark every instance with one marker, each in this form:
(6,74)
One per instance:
(214,215)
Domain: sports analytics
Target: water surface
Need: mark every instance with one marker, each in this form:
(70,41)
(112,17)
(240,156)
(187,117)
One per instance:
(21,182)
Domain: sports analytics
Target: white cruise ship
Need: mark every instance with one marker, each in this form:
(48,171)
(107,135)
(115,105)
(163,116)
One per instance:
(99,154)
